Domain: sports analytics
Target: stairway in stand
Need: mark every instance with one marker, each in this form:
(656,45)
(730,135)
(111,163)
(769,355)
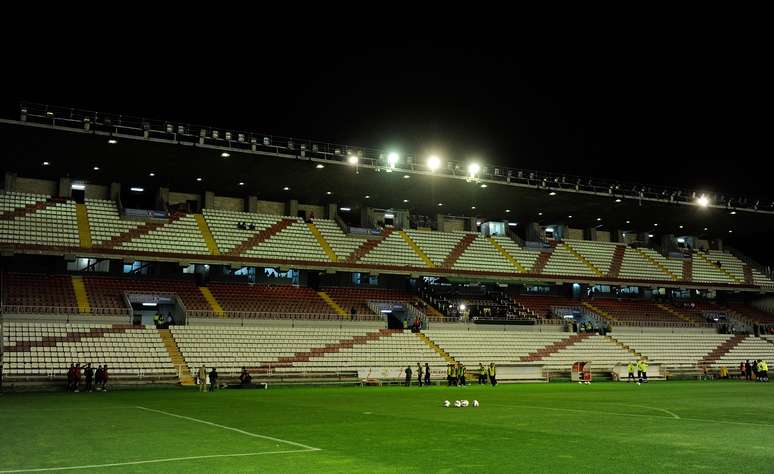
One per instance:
(183,372)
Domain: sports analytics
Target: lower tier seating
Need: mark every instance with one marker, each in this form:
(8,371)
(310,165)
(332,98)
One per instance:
(483,347)
(672,350)
(108,293)
(39,292)
(48,349)
(263,300)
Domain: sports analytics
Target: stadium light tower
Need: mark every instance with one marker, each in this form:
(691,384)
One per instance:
(433,163)
(352,159)
(703,201)
(473,169)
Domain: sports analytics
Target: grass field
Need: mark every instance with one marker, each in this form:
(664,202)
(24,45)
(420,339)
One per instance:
(669,426)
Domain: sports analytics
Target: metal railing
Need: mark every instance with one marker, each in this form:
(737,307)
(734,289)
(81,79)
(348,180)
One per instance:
(122,125)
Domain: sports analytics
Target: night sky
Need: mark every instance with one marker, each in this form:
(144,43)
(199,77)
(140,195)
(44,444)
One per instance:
(673,101)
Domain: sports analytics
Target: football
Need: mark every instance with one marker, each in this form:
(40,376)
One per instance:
(446,403)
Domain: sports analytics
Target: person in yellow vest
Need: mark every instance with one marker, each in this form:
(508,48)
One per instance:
(449,374)
(481,374)
(630,370)
(461,374)
(492,374)
(763,371)
(642,368)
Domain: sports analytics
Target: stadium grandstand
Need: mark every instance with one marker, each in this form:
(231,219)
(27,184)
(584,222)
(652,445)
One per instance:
(325,267)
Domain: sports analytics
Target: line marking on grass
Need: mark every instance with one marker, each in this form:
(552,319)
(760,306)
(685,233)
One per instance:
(152,461)
(236,430)
(596,412)
(673,415)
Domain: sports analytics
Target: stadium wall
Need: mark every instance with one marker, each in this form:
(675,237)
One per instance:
(181,198)
(270,207)
(228,203)
(285,323)
(35,186)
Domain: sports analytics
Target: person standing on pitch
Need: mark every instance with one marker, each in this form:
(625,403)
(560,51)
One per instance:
(630,369)
(643,369)
(449,374)
(88,372)
(492,374)
(461,374)
(419,374)
(202,378)
(408,376)
(427,374)
(481,374)
(213,379)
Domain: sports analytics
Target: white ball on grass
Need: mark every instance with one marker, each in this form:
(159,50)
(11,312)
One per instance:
(475,403)
(446,403)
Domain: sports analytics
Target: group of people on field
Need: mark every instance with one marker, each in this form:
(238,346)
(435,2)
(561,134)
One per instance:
(202,377)
(94,380)
(641,366)
(757,370)
(423,374)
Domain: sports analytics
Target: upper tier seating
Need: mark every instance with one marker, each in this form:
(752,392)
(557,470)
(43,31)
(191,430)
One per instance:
(270,301)
(705,270)
(39,293)
(482,255)
(526,257)
(636,266)
(563,262)
(32,219)
(436,245)
(600,254)
(341,244)
(672,265)
(108,293)
(393,251)
(42,349)
(483,347)
(223,225)
(672,350)
(180,235)
(294,242)
(735,267)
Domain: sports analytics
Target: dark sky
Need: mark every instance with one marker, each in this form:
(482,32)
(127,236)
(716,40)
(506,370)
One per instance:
(677,101)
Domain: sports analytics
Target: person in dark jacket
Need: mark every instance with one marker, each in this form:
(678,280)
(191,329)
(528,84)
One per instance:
(213,379)
(427,373)
(88,372)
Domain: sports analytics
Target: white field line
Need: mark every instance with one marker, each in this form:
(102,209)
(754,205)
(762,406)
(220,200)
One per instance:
(152,461)
(236,430)
(637,415)
(673,415)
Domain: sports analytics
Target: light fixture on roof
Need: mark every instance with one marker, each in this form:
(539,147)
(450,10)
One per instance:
(320,166)
(730,231)
(507,211)
(706,228)
(137,190)
(440,204)
(367,196)
(655,225)
(241,183)
(618,200)
(405,200)
(352,159)
(473,207)
(703,201)
(599,219)
(46,163)
(96,168)
(147,303)
(540,213)
(513,224)
(286,188)
(462,307)
(405,176)
(151,174)
(198,179)
(569,217)
(78,187)
(628,222)
(225,154)
(473,169)
(433,163)
(387,215)
(112,141)
(681,226)
(650,235)
(483,185)
(328,193)
(345,209)
(733,213)
(552,193)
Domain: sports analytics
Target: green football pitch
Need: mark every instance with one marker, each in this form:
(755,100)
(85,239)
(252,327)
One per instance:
(615,427)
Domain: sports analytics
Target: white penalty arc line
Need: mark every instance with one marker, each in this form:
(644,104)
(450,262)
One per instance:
(664,410)
(229,428)
(152,461)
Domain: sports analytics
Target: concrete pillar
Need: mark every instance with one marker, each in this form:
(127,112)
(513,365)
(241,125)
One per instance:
(440,220)
(534,232)
(331,210)
(209,200)
(162,198)
(292,208)
(252,204)
(716,244)
(10,181)
(64,187)
(618,236)
(590,233)
(115,192)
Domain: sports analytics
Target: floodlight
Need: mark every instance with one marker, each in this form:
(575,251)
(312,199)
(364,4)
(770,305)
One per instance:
(703,201)
(473,169)
(433,163)
(352,159)
(392,159)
